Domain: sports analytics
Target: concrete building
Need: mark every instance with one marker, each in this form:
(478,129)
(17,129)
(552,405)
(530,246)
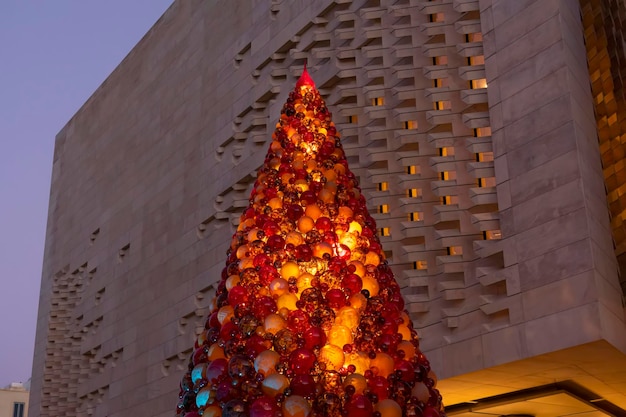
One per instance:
(14,400)
(489,139)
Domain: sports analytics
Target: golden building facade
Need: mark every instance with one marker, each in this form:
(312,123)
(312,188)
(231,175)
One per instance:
(472,127)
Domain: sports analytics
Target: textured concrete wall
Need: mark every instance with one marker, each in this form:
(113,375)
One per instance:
(490,200)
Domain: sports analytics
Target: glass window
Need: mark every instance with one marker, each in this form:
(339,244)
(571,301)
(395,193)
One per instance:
(18,409)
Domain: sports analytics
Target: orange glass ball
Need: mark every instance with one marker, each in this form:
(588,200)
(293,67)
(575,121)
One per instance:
(274,323)
(332,356)
(215,352)
(408,349)
(358,381)
(288,301)
(225,314)
(322,248)
(265,363)
(339,335)
(274,384)
(212,411)
(389,408)
(305,224)
(296,406)
(313,211)
(370,284)
(289,270)
(382,364)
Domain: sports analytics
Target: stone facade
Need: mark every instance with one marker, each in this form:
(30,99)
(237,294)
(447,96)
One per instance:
(471,127)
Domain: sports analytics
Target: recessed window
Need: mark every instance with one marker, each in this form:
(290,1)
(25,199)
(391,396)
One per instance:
(383,186)
(479,83)
(446,151)
(420,265)
(378,101)
(455,250)
(354,119)
(413,192)
(410,124)
(436,17)
(440,60)
(443,105)
(383,208)
(476,60)
(484,157)
(482,131)
(384,231)
(474,37)
(447,175)
(486,182)
(492,234)
(411,170)
(416,216)
(448,200)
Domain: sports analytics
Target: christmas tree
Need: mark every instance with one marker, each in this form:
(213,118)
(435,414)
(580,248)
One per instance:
(308,319)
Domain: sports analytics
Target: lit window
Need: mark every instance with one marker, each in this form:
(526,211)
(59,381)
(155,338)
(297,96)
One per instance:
(448,175)
(492,234)
(420,265)
(486,182)
(448,200)
(436,17)
(413,192)
(484,156)
(383,208)
(476,60)
(482,131)
(443,105)
(411,170)
(378,101)
(416,216)
(455,250)
(474,37)
(440,60)
(446,151)
(477,84)
(384,231)
(18,409)
(441,82)
(410,124)
(383,186)
(353,119)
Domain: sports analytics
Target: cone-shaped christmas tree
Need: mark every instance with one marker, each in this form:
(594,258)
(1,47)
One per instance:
(308,318)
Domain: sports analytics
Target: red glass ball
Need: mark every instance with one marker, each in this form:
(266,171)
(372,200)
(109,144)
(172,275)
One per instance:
(323,224)
(270,228)
(353,283)
(314,337)
(304,252)
(359,406)
(264,407)
(263,306)
(275,242)
(301,361)
(379,386)
(216,370)
(303,385)
(294,212)
(298,321)
(237,295)
(336,298)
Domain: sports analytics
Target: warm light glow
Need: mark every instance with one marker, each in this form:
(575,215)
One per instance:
(308,320)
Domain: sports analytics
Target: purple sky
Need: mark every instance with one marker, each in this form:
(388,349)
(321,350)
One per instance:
(53,56)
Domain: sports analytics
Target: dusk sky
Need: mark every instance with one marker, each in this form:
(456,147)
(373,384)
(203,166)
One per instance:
(53,56)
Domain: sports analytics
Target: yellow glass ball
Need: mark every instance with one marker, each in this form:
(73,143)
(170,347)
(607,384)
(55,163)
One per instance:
(265,363)
(332,356)
(287,300)
(360,360)
(278,287)
(273,323)
(330,175)
(296,406)
(274,384)
(289,270)
(357,380)
(349,317)
(382,364)
(339,335)
(304,281)
(389,408)
(355,227)
(371,284)
(246,263)
(372,258)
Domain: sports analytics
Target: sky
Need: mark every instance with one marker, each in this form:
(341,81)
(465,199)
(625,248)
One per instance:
(53,55)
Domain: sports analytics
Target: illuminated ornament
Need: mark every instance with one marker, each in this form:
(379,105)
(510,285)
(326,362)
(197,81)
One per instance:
(308,320)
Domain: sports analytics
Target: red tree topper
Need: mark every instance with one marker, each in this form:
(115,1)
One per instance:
(308,320)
